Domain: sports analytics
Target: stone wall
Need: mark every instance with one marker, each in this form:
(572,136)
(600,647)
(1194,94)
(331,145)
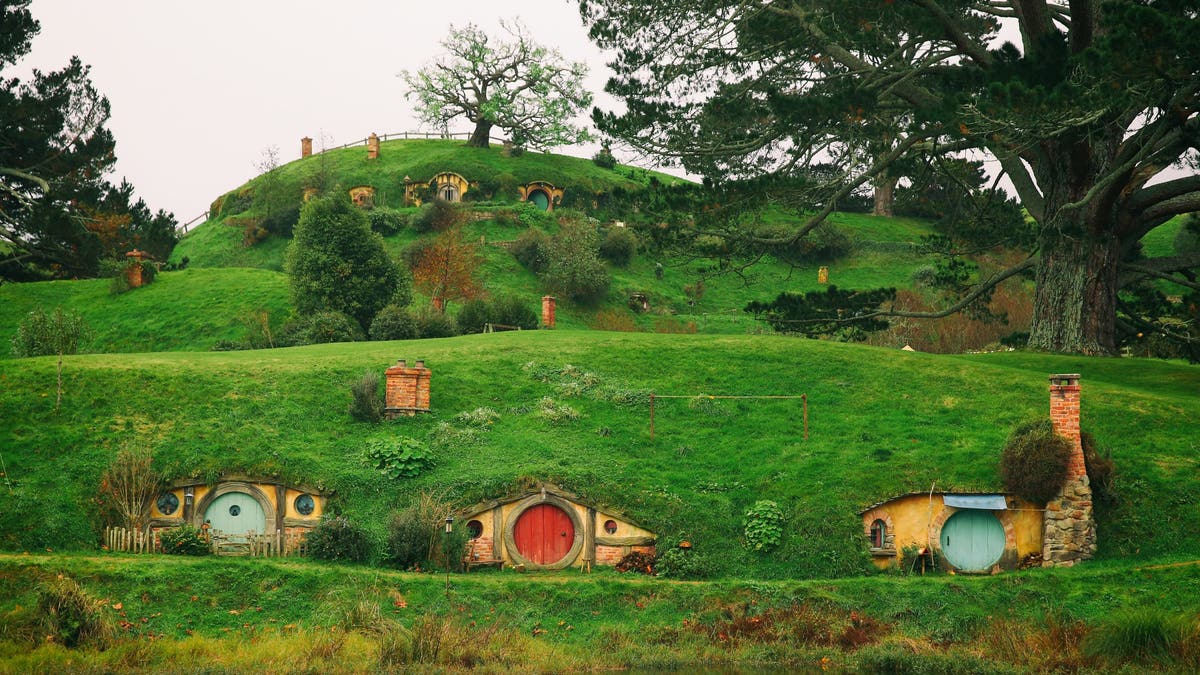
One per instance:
(1070,527)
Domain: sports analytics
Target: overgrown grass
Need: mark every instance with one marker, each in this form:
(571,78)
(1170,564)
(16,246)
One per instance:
(882,423)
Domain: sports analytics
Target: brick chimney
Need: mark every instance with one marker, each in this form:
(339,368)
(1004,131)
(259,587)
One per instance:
(305,147)
(373,146)
(548,303)
(133,268)
(406,390)
(1069,527)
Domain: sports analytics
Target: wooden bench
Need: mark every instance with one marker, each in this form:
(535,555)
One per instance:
(489,562)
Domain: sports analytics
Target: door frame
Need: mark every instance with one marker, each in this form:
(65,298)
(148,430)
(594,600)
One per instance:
(268,508)
(1009,552)
(543,498)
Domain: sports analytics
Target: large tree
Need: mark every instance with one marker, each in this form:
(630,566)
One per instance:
(1085,117)
(528,90)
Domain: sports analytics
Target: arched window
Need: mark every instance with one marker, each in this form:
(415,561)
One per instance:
(878,534)
(448,191)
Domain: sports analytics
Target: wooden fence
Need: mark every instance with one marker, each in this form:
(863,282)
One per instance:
(274,545)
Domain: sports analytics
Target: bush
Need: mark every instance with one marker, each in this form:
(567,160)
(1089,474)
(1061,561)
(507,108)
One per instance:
(531,250)
(129,484)
(574,268)
(185,540)
(387,221)
(366,405)
(1034,462)
(431,324)
(473,316)
(413,533)
(619,246)
(763,526)
(825,243)
(604,158)
(1100,471)
(338,539)
(394,323)
(71,616)
(282,221)
(437,216)
(1187,239)
(235,202)
(504,311)
(321,328)
(401,458)
(678,563)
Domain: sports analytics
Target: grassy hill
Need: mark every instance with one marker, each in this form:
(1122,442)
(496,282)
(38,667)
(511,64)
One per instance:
(883,422)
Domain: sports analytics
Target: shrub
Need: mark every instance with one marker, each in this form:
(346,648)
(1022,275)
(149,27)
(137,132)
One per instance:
(71,616)
(185,540)
(531,250)
(436,216)
(321,328)
(1100,471)
(678,563)
(431,324)
(414,531)
(129,484)
(236,202)
(387,221)
(400,458)
(366,405)
(503,311)
(619,246)
(763,526)
(282,221)
(1034,461)
(604,158)
(473,316)
(614,320)
(394,322)
(924,275)
(574,268)
(825,243)
(338,539)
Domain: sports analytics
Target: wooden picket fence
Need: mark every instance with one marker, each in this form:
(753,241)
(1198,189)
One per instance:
(131,541)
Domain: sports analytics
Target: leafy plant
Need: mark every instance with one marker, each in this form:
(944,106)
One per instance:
(338,539)
(763,526)
(531,250)
(403,457)
(574,268)
(394,322)
(71,616)
(387,221)
(681,563)
(129,484)
(321,328)
(1034,461)
(185,540)
(366,405)
(619,246)
(437,215)
(556,413)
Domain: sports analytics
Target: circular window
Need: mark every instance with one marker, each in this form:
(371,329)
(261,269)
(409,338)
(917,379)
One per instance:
(610,526)
(167,503)
(475,528)
(304,505)
(235,510)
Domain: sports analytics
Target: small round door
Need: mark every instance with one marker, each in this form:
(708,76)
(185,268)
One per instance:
(973,540)
(544,534)
(540,199)
(236,513)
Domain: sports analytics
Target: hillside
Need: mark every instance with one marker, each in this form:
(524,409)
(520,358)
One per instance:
(882,423)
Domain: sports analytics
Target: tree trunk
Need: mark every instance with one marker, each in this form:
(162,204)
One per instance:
(1074,307)
(885,194)
(482,135)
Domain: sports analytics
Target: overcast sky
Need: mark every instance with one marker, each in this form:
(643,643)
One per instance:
(200,89)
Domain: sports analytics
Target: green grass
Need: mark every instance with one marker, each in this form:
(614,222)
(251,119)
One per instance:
(187,310)
(883,423)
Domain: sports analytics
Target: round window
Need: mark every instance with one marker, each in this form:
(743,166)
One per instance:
(304,505)
(167,503)
(610,526)
(235,510)
(475,528)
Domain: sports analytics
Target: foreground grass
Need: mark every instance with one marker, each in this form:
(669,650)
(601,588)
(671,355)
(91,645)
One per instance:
(229,615)
(882,423)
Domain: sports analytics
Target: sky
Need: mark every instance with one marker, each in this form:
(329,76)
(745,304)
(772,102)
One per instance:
(199,90)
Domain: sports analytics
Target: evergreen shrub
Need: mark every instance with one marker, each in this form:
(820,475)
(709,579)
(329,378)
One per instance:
(1033,464)
(619,246)
(530,249)
(437,216)
(387,221)
(431,324)
(338,539)
(394,322)
(185,540)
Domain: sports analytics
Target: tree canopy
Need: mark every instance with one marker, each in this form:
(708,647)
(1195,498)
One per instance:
(1085,117)
(58,213)
(336,263)
(528,90)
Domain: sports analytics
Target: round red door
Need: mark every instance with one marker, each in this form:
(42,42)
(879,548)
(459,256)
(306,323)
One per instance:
(544,534)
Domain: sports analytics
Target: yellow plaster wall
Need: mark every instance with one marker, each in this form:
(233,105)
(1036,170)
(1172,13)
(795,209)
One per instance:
(200,491)
(290,498)
(914,517)
(624,528)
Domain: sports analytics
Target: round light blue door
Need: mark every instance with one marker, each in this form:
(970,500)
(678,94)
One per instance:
(540,198)
(236,513)
(973,540)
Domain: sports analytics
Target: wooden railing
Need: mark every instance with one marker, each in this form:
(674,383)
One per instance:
(131,541)
(273,545)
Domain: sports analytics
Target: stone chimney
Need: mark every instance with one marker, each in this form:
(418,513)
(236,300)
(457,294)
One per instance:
(548,303)
(372,146)
(133,268)
(406,390)
(305,147)
(1069,527)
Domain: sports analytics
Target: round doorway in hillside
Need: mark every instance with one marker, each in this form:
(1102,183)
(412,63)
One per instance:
(235,514)
(973,540)
(544,534)
(540,199)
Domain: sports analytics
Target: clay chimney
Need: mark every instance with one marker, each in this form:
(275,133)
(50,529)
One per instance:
(548,303)
(1069,533)
(133,268)
(305,147)
(373,146)
(406,390)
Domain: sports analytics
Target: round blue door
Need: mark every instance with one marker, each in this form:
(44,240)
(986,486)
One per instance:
(236,513)
(973,540)
(540,199)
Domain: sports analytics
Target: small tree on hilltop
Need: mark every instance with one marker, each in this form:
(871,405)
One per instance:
(446,269)
(528,90)
(337,263)
(42,334)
